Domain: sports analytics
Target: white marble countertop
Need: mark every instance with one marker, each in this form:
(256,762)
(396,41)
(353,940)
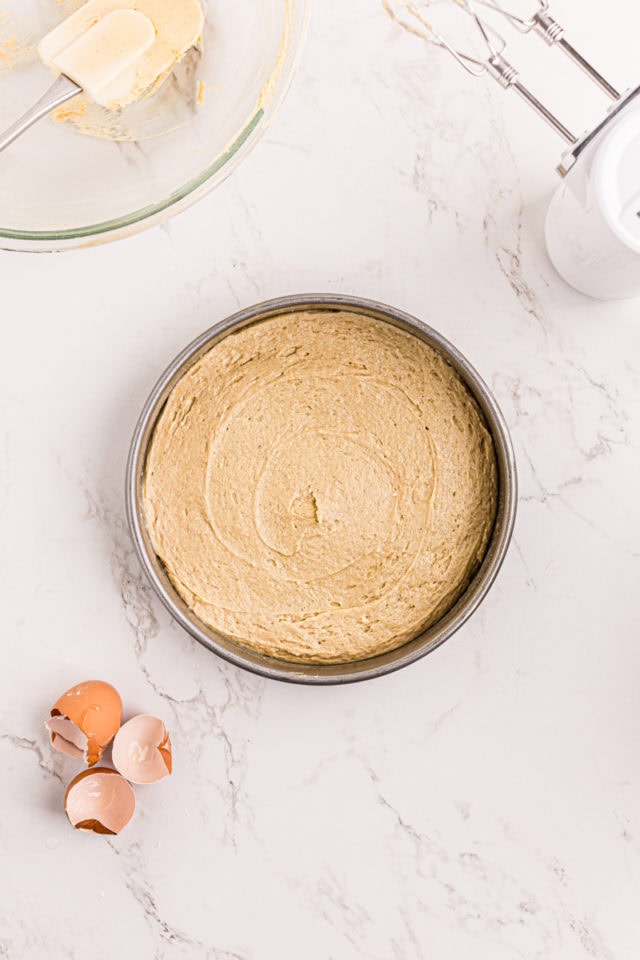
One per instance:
(482,804)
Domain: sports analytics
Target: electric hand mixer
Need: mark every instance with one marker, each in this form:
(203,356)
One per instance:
(593,222)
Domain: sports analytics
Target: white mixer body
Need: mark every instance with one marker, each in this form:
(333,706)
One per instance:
(593,222)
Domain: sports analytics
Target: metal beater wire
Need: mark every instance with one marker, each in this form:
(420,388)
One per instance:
(418,24)
(524,25)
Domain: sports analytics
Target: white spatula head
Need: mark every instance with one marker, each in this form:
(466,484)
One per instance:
(103,60)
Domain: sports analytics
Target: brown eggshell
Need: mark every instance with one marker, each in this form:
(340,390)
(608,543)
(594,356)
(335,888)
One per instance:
(85,720)
(142,750)
(99,800)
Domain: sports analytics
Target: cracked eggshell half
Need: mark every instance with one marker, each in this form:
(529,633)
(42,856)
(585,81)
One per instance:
(142,750)
(99,800)
(85,719)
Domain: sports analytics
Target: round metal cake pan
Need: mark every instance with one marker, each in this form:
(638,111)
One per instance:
(322,673)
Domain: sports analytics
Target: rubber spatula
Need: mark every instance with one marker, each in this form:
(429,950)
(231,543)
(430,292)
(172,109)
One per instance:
(99,61)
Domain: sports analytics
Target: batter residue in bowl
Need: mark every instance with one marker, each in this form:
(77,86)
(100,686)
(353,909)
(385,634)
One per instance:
(320,487)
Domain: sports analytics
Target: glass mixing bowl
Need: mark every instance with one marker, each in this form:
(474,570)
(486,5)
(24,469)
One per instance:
(86,175)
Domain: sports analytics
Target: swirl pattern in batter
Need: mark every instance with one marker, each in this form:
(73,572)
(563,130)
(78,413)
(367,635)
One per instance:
(320,487)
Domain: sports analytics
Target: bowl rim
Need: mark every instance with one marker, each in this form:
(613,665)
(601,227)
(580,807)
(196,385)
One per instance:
(197,187)
(323,674)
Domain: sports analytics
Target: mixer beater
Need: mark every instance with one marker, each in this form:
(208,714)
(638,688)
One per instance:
(415,17)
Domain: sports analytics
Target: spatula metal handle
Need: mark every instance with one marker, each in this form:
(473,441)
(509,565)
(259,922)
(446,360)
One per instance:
(62,90)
